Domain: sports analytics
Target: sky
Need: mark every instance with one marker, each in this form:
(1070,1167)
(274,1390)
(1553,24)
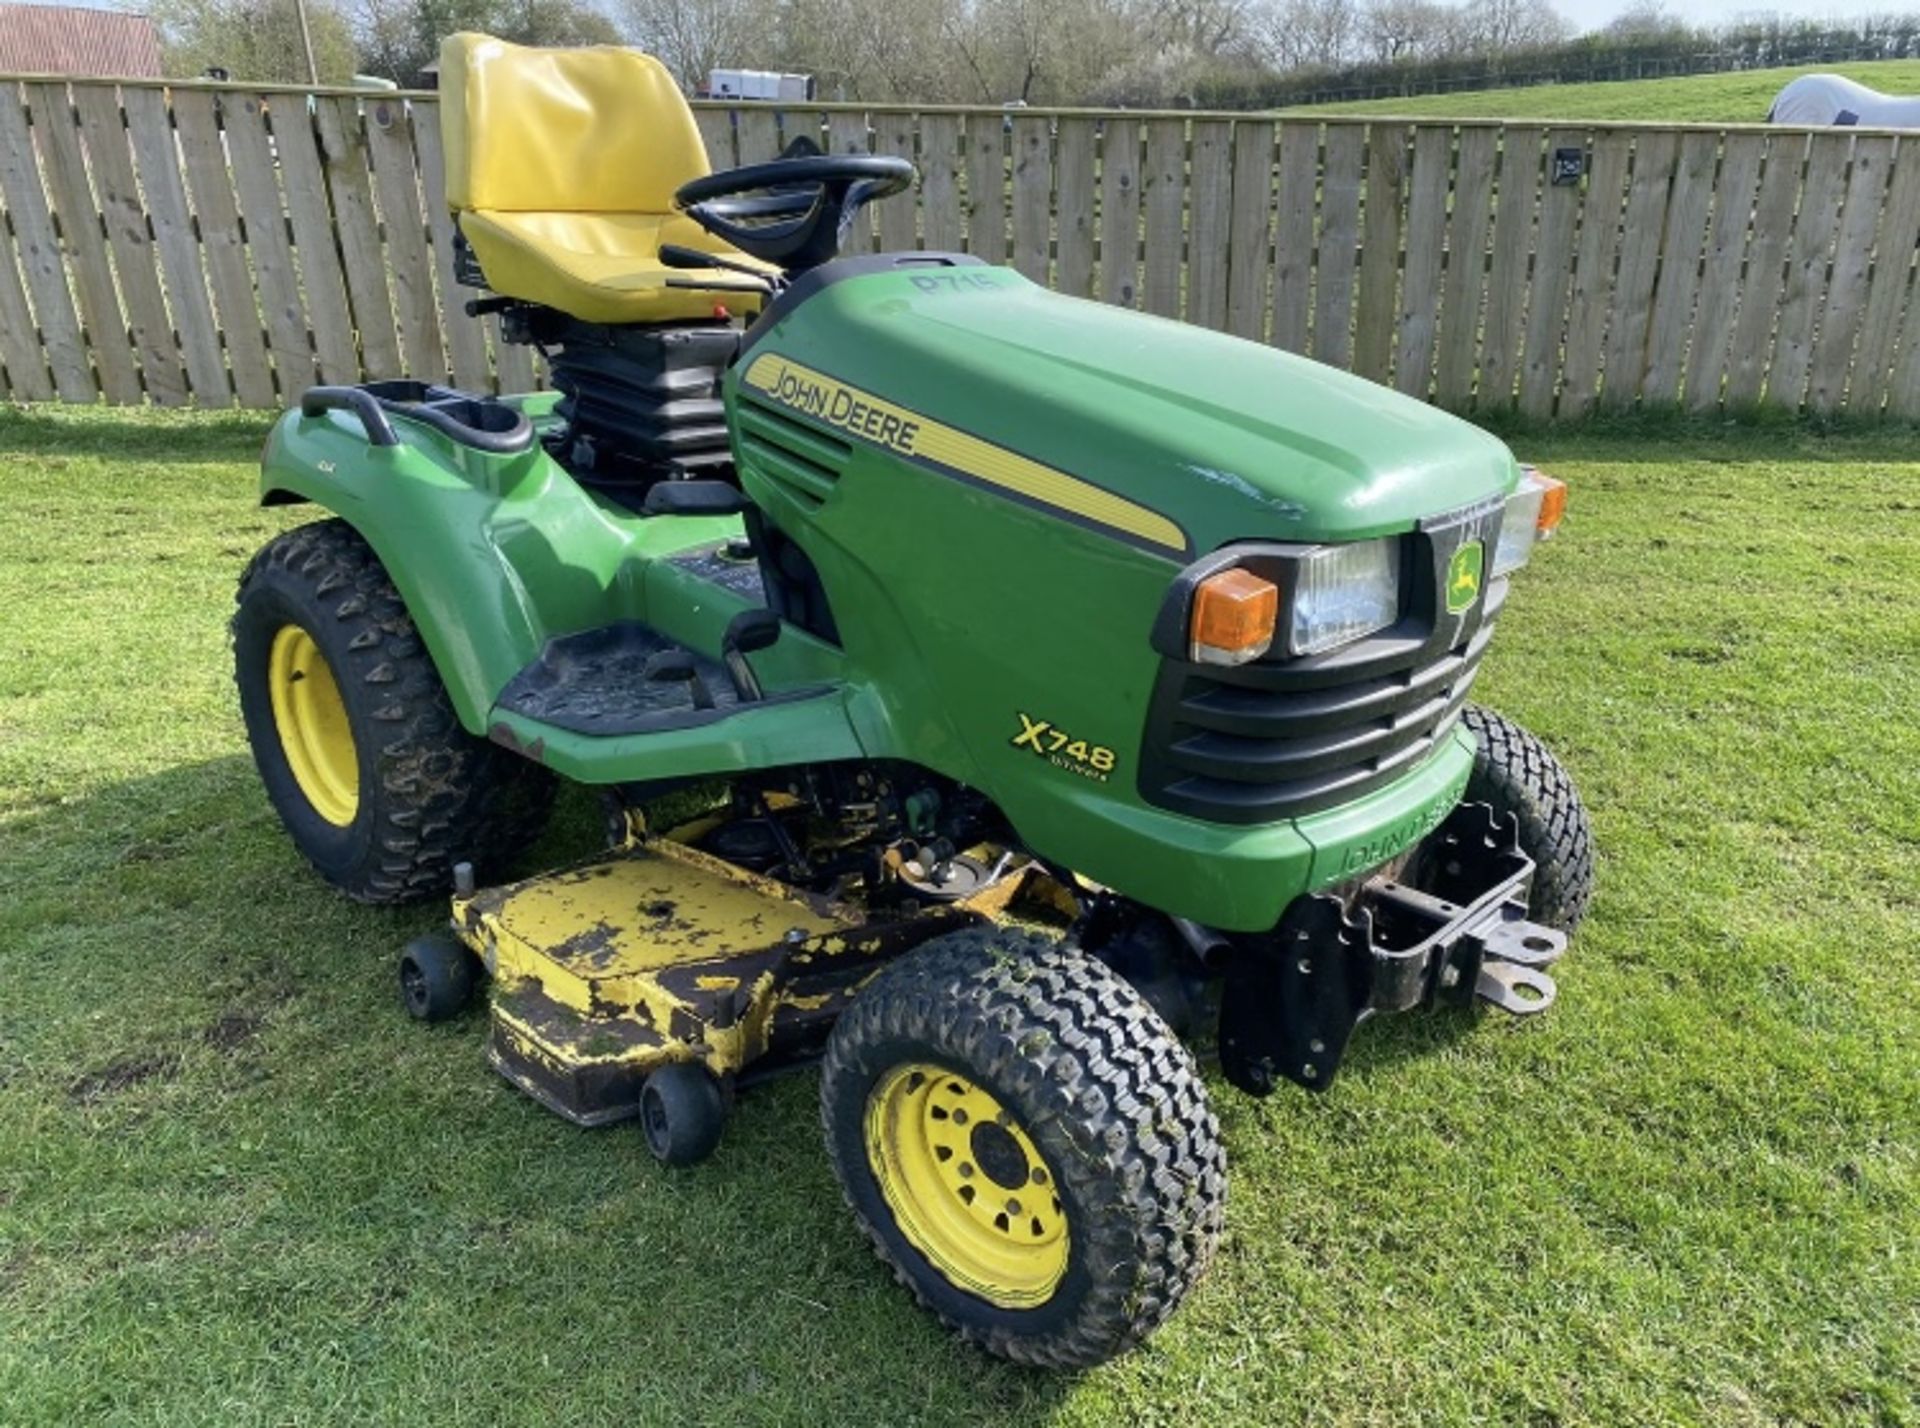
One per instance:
(1592,14)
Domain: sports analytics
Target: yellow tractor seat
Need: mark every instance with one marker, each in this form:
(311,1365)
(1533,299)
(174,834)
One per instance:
(561,168)
(599,267)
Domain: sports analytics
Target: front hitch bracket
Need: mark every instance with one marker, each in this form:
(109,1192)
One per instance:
(1450,929)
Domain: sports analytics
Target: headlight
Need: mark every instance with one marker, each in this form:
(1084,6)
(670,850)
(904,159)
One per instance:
(1532,512)
(1344,592)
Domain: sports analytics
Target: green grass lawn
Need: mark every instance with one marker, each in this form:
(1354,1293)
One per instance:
(1741,98)
(237,1186)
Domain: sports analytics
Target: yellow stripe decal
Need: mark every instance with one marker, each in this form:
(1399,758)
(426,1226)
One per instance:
(895,428)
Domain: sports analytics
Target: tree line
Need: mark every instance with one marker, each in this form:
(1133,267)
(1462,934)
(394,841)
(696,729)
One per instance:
(1232,54)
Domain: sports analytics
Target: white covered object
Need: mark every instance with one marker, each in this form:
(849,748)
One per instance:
(1817,99)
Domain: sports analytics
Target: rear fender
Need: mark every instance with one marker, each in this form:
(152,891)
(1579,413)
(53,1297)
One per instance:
(493,555)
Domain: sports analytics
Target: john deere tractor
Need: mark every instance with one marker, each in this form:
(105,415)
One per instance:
(1048,694)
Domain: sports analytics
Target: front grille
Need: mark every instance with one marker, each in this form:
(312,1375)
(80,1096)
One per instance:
(1282,737)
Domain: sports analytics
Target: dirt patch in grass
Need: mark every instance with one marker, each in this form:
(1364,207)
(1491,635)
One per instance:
(123,1075)
(233,1030)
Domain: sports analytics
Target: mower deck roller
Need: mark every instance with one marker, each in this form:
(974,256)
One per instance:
(1025,687)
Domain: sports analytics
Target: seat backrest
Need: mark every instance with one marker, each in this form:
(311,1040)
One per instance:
(591,130)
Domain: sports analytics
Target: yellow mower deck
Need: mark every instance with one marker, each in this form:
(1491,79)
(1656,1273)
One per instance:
(606,971)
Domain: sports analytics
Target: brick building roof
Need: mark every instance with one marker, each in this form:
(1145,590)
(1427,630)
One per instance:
(70,40)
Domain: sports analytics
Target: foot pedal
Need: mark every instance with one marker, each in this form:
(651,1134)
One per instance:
(1514,988)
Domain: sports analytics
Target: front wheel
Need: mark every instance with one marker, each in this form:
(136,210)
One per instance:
(1027,1145)
(1516,773)
(354,734)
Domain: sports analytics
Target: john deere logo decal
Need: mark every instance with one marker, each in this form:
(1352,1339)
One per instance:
(1463,577)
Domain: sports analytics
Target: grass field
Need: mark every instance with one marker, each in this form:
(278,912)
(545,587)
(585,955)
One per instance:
(1701,98)
(236,1186)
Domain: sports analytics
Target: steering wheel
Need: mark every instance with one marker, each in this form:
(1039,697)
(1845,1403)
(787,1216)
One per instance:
(792,212)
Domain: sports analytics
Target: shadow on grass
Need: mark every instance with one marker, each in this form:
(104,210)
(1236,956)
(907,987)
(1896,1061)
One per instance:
(157,434)
(214,1032)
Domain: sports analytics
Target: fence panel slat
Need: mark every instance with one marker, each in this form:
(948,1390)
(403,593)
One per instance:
(1766,260)
(1426,237)
(20,349)
(942,225)
(1514,207)
(1679,277)
(897,217)
(1338,252)
(78,214)
(1860,219)
(1903,385)
(806,124)
(157,162)
(1654,159)
(41,260)
(315,243)
(986,189)
(391,144)
(1552,281)
(716,133)
(127,235)
(1378,298)
(1465,277)
(1887,289)
(1073,181)
(1814,231)
(1033,197)
(344,155)
(1293,236)
(279,282)
(1250,231)
(466,337)
(758,134)
(1120,213)
(1733,199)
(848,133)
(223,246)
(1163,193)
(1209,214)
(1600,218)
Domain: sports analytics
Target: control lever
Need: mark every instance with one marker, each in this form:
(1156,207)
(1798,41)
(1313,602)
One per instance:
(678,667)
(748,632)
(676,256)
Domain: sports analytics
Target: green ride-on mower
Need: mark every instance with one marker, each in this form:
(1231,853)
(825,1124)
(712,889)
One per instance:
(1043,687)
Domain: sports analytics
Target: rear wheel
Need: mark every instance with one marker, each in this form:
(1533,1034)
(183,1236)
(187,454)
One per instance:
(1516,773)
(354,735)
(1026,1144)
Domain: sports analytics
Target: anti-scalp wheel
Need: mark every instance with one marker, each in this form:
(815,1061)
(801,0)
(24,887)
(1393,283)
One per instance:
(682,1112)
(354,735)
(438,976)
(1026,1144)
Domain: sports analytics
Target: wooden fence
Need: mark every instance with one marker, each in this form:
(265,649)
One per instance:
(220,244)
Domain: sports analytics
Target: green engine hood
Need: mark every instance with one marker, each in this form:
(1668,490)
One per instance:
(1230,439)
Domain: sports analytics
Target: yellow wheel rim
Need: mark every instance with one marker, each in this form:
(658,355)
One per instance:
(311,720)
(966,1186)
